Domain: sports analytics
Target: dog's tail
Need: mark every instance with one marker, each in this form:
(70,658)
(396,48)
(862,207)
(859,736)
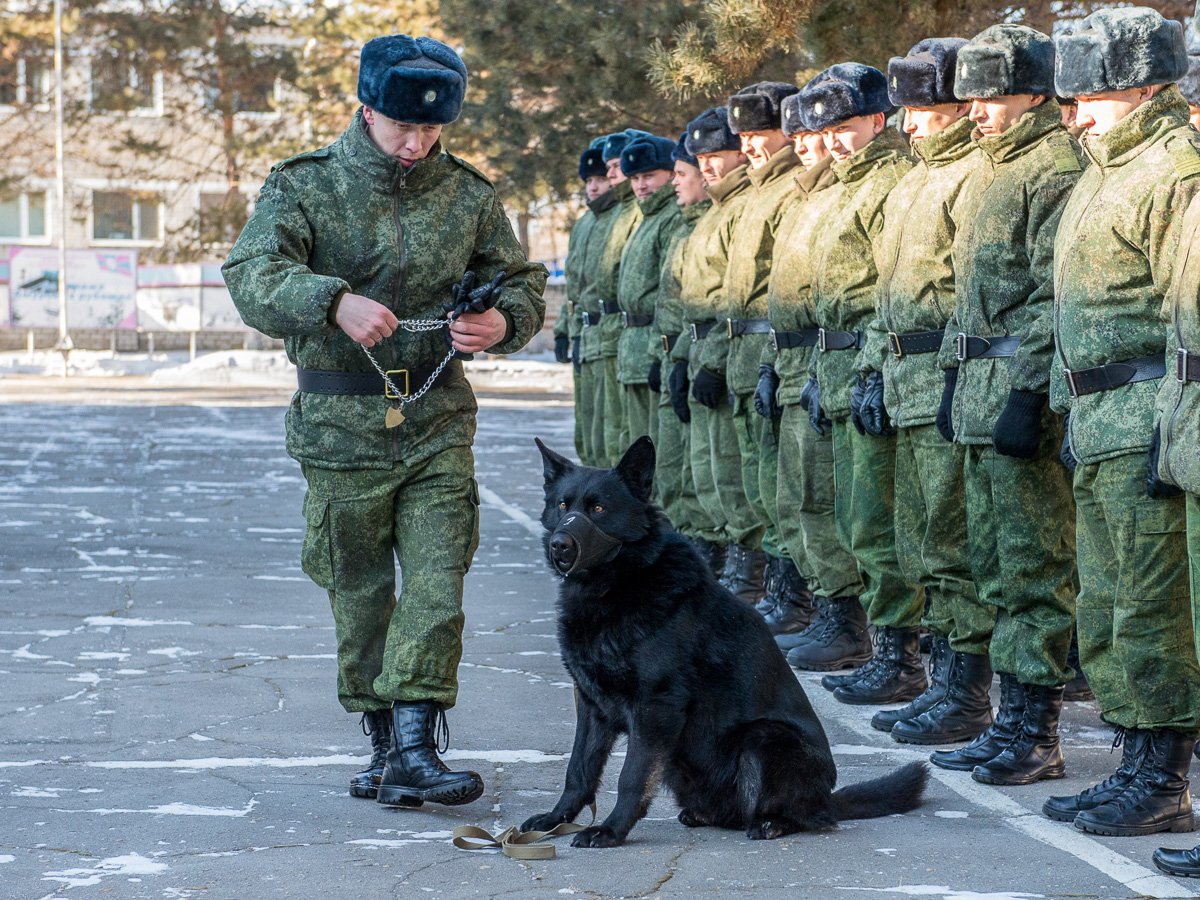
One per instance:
(899,792)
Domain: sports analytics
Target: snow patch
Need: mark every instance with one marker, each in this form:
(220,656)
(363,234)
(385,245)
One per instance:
(236,762)
(85,678)
(854,750)
(36,792)
(130,864)
(179,809)
(95,656)
(505,756)
(6,858)
(173,652)
(943,891)
(951,814)
(98,621)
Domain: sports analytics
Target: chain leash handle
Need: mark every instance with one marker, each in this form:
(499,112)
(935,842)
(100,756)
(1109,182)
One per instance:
(414,326)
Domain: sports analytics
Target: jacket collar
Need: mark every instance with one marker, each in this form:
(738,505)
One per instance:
(729,186)
(1154,119)
(603,203)
(693,211)
(383,172)
(657,201)
(1029,131)
(624,193)
(779,165)
(947,145)
(819,177)
(887,146)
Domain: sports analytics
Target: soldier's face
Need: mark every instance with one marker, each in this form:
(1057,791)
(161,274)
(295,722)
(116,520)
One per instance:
(1068,114)
(1098,113)
(615,175)
(596,186)
(996,115)
(715,166)
(846,138)
(760,146)
(646,183)
(405,142)
(810,148)
(922,121)
(689,184)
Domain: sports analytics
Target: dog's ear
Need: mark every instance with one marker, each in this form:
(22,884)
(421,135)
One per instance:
(554,466)
(636,468)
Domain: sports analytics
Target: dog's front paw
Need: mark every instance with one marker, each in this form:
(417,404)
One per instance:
(596,836)
(769,829)
(691,818)
(544,822)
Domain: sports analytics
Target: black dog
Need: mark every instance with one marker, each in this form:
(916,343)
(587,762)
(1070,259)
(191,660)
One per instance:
(660,652)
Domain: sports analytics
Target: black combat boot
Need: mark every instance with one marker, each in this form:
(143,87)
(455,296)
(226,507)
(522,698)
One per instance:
(939,677)
(770,598)
(822,610)
(1077,689)
(795,610)
(842,642)
(1134,744)
(414,773)
(832,682)
(962,714)
(898,676)
(711,552)
(1156,798)
(378,727)
(1035,754)
(1181,863)
(747,583)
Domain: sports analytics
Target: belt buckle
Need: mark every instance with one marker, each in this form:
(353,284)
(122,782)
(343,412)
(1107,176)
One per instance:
(587,319)
(894,345)
(960,346)
(695,335)
(387,385)
(1071,388)
(774,341)
(1181,365)
(729,327)
(624,319)
(666,343)
(821,339)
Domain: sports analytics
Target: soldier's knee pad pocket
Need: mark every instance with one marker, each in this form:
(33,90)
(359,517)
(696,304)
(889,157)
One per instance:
(316,554)
(1160,547)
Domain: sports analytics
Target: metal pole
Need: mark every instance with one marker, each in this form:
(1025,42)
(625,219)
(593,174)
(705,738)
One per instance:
(64,336)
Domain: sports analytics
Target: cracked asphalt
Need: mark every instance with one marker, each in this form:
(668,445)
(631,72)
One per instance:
(169,726)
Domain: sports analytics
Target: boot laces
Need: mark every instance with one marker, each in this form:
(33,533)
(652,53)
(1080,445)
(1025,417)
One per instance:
(881,667)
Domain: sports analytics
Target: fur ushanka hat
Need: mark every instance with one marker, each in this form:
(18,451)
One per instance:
(757,107)
(925,77)
(1189,84)
(415,80)
(615,143)
(1118,49)
(681,154)
(1005,60)
(709,132)
(591,164)
(793,115)
(647,154)
(843,92)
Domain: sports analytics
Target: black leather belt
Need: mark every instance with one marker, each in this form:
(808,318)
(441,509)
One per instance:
(915,342)
(610,307)
(631,320)
(790,340)
(362,384)
(738,327)
(669,341)
(699,331)
(972,347)
(591,318)
(839,340)
(1187,366)
(1114,375)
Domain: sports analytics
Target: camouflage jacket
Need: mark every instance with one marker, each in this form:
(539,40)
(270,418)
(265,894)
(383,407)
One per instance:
(641,275)
(1179,402)
(349,218)
(844,285)
(608,274)
(789,290)
(668,311)
(708,257)
(745,289)
(1113,262)
(571,320)
(606,208)
(1003,264)
(915,291)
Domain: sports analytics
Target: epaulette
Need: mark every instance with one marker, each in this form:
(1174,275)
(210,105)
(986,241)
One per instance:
(1184,156)
(1066,160)
(470,168)
(308,154)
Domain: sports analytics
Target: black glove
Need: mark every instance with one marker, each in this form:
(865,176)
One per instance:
(465,297)
(810,399)
(857,394)
(677,385)
(562,348)
(576,353)
(710,389)
(809,390)
(1155,486)
(1018,431)
(944,421)
(1065,453)
(764,394)
(654,376)
(871,412)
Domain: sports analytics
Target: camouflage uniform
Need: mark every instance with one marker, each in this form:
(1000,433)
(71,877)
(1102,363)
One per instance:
(570,324)
(844,296)
(606,208)
(1019,525)
(916,295)
(348,218)
(804,494)
(1114,258)
(745,296)
(641,272)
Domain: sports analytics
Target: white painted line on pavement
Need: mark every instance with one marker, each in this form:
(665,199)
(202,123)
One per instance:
(518,515)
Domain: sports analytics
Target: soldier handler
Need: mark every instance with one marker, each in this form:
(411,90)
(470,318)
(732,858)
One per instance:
(1113,260)
(350,256)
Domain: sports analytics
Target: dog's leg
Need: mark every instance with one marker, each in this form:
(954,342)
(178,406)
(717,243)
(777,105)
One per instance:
(594,739)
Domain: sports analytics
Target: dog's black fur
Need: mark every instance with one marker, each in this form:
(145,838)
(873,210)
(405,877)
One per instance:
(661,653)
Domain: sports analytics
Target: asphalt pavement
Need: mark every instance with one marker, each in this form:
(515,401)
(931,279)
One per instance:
(169,726)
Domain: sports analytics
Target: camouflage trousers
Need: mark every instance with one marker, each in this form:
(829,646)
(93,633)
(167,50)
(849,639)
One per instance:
(590,413)
(360,523)
(804,496)
(613,415)
(1193,530)
(1021,544)
(581,416)
(864,474)
(931,537)
(1135,618)
(673,483)
(717,474)
(758,448)
(640,408)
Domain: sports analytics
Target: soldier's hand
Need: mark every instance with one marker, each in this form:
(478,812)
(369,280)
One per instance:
(945,422)
(872,412)
(473,332)
(364,321)
(1156,487)
(1065,453)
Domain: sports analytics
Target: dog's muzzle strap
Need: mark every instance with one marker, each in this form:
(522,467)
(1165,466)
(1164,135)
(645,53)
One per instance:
(594,543)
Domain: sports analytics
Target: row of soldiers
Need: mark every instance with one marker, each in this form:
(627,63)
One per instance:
(947,378)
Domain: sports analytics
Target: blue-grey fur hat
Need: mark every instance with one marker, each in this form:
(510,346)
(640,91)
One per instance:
(792,112)
(709,132)
(1118,49)
(1004,60)
(925,77)
(591,164)
(647,154)
(1189,84)
(843,92)
(681,154)
(415,80)
(756,108)
(615,143)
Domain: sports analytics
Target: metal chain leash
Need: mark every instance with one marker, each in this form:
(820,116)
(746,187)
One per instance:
(414,326)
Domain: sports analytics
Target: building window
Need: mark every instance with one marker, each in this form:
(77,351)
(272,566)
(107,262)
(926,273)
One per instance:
(126,216)
(25,80)
(23,216)
(221,218)
(252,89)
(120,82)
